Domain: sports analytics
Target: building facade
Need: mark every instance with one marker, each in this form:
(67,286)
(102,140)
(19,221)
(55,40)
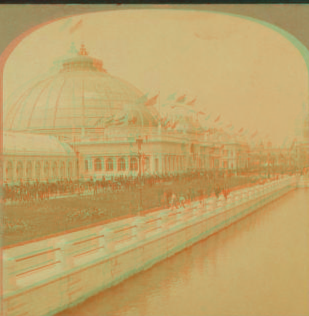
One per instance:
(81,122)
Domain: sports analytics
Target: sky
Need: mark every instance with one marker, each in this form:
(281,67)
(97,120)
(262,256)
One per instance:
(251,75)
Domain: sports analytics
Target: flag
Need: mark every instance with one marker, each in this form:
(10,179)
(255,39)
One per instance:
(76,26)
(118,121)
(254,134)
(284,142)
(142,99)
(202,113)
(292,146)
(163,120)
(109,120)
(172,96)
(122,118)
(133,120)
(192,102)
(174,125)
(241,130)
(168,124)
(181,99)
(217,119)
(152,101)
(104,120)
(245,133)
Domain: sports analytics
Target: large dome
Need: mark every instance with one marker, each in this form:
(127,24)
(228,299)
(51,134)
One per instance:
(79,95)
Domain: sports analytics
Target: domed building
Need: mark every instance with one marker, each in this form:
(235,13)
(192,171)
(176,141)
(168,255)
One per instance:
(92,124)
(71,101)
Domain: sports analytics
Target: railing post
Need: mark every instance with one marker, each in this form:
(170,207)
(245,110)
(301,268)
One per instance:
(221,202)
(139,231)
(64,255)
(102,241)
(108,241)
(163,216)
(9,273)
(200,208)
(160,223)
(212,203)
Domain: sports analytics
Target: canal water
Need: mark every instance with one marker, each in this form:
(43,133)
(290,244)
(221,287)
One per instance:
(258,266)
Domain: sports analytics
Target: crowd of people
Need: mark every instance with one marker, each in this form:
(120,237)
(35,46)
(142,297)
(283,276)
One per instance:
(39,191)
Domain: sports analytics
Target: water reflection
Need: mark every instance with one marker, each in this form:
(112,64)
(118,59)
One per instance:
(258,267)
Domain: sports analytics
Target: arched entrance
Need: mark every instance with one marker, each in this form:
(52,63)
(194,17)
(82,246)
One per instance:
(37,170)
(19,170)
(46,169)
(62,169)
(29,170)
(70,170)
(9,171)
(54,171)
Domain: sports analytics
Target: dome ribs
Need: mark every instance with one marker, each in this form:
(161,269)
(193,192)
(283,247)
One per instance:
(57,103)
(54,81)
(29,91)
(35,104)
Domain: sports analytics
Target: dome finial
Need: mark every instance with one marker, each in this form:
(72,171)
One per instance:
(83,50)
(73,49)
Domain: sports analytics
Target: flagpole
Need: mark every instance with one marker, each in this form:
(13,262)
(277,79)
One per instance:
(160,105)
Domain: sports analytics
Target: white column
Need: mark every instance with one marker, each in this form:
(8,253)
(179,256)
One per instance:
(13,170)
(64,255)
(9,273)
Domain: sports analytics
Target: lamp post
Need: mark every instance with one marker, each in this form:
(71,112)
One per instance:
(139,142)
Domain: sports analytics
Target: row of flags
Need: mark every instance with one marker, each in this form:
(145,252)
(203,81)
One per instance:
(172,123)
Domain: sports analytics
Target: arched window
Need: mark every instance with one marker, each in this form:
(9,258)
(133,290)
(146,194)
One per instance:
(54,170)
(109,164)
(121,164)
(19,170)
(147,164)
(133,164)
(46,169)
(29,170)
(9,171)
(97,164)
(62,169)
(86,165)
(192,149)
(37,170)
(157,164)
(70,170)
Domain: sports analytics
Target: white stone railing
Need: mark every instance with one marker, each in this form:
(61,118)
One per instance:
(37,262)
(303,182)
